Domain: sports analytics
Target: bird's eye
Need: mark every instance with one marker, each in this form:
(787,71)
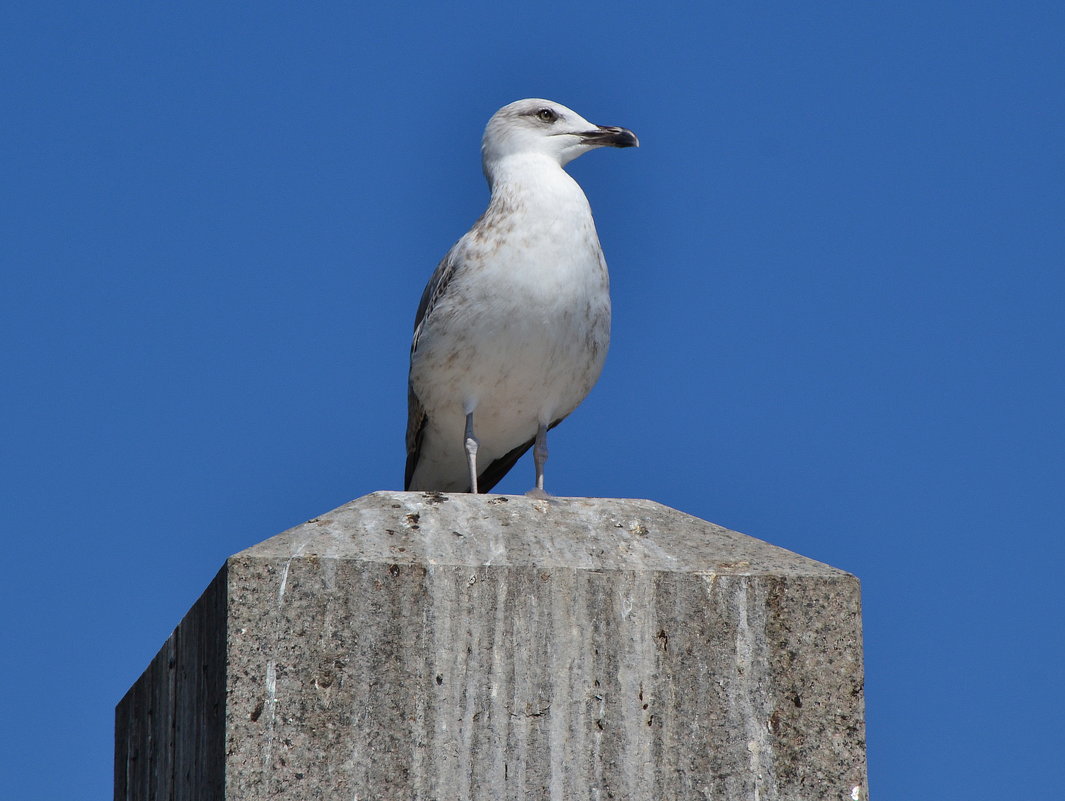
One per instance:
(547,115)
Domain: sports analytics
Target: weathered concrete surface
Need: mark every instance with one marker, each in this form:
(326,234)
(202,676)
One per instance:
(431,647)
(170,729)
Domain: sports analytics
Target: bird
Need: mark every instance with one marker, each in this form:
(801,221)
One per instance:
(512,328)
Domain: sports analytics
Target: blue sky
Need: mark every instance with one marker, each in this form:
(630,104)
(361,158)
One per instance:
(837,269)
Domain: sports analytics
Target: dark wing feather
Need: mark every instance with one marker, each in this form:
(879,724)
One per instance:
(500,467)
(416,420)
(433,291)
(492,474)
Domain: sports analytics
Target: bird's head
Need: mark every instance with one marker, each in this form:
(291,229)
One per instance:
(547,128)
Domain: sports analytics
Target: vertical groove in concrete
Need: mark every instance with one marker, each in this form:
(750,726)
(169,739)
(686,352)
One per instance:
(432,647)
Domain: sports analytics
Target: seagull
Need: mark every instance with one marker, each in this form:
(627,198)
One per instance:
(513,326)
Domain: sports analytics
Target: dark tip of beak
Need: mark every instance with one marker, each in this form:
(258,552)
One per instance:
(610,136)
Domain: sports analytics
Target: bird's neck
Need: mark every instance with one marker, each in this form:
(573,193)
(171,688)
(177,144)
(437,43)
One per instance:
(534,178)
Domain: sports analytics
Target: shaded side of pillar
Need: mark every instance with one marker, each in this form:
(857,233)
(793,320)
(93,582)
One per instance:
(170,727)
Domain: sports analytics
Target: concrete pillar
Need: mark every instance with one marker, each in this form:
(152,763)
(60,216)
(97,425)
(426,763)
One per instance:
(431,647)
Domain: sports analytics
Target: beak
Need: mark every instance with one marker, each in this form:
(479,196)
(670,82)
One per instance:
(609,136)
